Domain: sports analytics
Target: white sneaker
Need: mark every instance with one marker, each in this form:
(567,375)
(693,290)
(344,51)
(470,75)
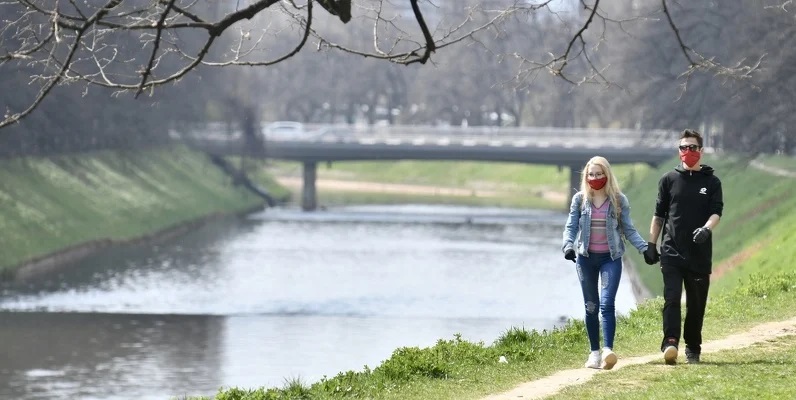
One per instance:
(670,355)
(609,358)
(594,360)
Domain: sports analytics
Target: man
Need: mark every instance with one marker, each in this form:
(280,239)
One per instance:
(688,208)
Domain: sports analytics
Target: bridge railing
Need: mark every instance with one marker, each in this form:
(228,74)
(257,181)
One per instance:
(598,136)
(416,130)
(588,137)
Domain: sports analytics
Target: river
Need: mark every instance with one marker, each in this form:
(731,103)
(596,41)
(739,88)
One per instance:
(282,294)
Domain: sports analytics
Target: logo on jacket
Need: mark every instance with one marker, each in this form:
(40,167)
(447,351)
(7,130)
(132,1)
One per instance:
(703,191)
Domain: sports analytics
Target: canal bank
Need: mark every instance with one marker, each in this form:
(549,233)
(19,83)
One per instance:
(59,209)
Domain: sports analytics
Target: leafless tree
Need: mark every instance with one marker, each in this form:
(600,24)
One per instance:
(588,26)
(134,46)
(743,109)
(66,41)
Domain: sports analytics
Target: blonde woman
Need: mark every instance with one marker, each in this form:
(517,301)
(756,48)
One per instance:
(599,218)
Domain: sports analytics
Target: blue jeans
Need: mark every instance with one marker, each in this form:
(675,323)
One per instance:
(599,266)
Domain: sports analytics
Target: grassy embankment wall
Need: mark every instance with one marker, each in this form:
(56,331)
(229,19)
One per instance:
(55,208)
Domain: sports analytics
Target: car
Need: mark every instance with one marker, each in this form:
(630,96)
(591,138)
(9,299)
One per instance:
(285,130)
(336,133)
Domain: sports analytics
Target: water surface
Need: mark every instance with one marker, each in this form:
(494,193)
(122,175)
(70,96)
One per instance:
(283,294)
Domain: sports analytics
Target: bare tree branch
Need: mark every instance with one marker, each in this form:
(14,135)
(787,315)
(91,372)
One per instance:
(155,46)
(685,49)
(9,119)
(430,45)
(697,62)
(108,44)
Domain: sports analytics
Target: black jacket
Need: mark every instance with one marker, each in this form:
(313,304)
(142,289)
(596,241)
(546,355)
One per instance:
(686,199)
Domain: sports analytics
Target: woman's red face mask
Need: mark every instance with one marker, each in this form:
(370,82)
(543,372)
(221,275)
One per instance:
(597,180)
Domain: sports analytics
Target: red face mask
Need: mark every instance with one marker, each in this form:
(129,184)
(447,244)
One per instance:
(690,157)
(597,184)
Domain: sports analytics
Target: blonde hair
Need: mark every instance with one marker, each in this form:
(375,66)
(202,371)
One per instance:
(611,187)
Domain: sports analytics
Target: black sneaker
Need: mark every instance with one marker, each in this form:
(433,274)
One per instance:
(691,357)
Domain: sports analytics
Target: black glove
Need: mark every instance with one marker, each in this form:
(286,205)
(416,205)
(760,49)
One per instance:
(651,255)
(570,255)
(701,235)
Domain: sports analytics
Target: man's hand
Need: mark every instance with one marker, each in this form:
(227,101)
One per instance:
(570,255)
(701,235)
(651,255)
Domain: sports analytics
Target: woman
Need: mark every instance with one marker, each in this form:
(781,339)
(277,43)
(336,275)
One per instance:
(598,218)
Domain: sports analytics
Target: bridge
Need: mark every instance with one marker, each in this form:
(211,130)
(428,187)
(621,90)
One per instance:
(564,147)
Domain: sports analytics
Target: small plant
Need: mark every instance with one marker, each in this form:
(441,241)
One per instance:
(760,285)
(410,362)
(295,389)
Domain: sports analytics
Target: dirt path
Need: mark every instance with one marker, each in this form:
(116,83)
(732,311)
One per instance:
(552,384)
(295,183)
(772,170)
(359,186)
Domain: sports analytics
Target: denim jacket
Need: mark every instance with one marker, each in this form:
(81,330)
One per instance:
(579,227)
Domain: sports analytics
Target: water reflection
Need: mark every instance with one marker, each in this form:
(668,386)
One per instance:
(102,356)
(282,294)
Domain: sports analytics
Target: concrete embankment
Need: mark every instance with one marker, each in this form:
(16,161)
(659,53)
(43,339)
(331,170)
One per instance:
(56,210)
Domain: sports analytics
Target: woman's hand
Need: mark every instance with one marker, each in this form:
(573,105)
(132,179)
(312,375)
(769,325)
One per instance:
(651,255)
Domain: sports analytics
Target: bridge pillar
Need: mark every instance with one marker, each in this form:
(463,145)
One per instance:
(309,193)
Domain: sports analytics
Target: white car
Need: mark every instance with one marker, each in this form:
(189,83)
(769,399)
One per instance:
(335,133)
(285,130)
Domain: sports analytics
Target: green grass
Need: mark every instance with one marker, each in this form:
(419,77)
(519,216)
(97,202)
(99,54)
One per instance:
(340,197)
(455,173)
(47,204)
(519,185)
(442,173)
(765,371)
(780,161)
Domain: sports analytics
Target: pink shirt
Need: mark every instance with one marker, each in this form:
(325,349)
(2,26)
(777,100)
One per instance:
(598,238)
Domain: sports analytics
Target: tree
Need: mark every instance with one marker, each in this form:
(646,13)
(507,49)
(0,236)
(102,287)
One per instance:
(747,110)
(132,47)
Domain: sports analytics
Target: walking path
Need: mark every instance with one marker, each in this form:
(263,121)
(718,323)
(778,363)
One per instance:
(552,384)
(296,183)
(772,170)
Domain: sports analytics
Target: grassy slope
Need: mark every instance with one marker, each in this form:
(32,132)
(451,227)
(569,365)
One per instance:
(49,204)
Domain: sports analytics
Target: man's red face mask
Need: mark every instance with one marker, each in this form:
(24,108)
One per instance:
(690,154)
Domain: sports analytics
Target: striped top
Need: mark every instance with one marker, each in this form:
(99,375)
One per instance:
(598,238)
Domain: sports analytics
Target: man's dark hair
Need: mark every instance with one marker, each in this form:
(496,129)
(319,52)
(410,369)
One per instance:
(690,133)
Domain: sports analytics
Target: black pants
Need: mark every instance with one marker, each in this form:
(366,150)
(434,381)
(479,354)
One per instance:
(696,298)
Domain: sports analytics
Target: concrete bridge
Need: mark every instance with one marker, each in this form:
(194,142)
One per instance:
(564,147)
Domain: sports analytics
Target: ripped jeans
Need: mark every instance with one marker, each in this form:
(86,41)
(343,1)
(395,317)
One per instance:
(599,266)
